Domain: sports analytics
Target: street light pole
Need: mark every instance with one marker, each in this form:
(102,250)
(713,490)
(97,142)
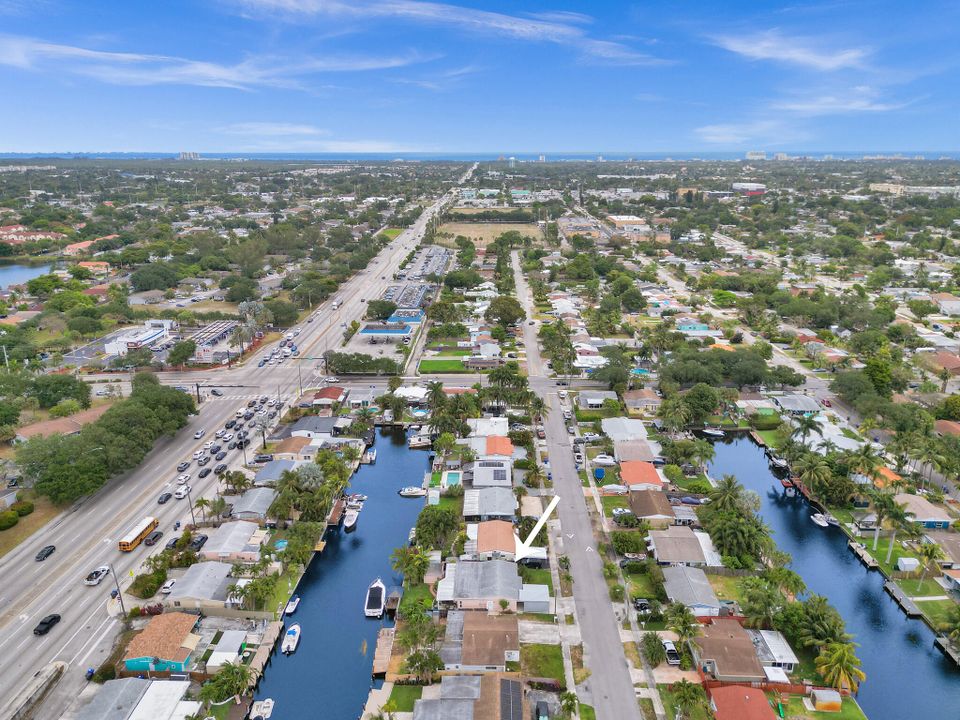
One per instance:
(193,518)
(119,592)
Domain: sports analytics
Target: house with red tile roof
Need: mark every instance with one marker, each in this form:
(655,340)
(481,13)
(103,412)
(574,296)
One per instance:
(325,397)
(947,427)
(739,702)
(640,475)
(495,538)
(78,247)
(499,445)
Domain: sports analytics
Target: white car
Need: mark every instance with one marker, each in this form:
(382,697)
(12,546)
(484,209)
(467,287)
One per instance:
(590,437)
(220,433)
(199,434)
(604,460)
(167,587)
(183,479)
(181,492)
(197,454)
(331,379)
(208,444)
(228,437)
(296,332)
(97,575)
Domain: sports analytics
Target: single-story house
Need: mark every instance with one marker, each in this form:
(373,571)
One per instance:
(63,426)
(363,398)
(639,475)
(739,702)
(494,503)
(137,698)
(234,542)
(690,586)
(535,598)
(254,504)
(486,426)
(294,448)
(949,542)
(621,428)
(273,470)
(491,472)
(202,587)
(330,395)
(679,545)
(797,403)
(313,426)
(477,641)
(496,539)
(474,697)
(725,650)
(166,643)
(480,585)
(773,650)
(594,399)
(924,512)
(624,450)
(228,649)
(653,506)
(643,401)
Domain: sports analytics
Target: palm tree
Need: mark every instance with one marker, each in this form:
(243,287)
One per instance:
(882,505)
(839,665)
(681,620)
(537,406)
(703,453)
(814,472)
(202,504)
(436,397)
(674,413)
(568,703)
(535,476)
(865,461)
(232,679)
(728,495)
(897,517)
(951,626)
(689,696)
(929,554)
(217,507)
(807,424)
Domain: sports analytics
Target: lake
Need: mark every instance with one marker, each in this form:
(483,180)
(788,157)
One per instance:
(17,274)
(907,676)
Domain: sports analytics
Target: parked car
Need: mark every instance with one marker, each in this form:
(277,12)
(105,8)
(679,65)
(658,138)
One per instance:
(153,538)
(97,575)
(263,458)
(604,459)
(172,543)
(541,433)
(590,436)
(641,605)
(617,512)
(167,586)
(164,497)
(45,552)
(571,429)
(44,626)
(198,542)
(673,657)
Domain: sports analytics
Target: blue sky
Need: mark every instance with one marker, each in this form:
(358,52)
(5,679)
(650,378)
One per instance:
(411,75)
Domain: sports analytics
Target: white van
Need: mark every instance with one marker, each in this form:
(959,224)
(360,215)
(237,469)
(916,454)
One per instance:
(181,492)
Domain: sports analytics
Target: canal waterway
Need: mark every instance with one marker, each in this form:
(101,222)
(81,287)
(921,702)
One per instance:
(17,274)
(907,676)
(329,674)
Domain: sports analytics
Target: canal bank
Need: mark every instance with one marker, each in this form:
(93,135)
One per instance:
(907,676)
(329,675)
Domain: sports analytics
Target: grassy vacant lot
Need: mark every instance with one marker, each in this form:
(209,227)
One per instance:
(725,588)
(44,511)
(485,233)
(640,586)
(938,611)
(849,710)
(442,366)
(610,502)
(402,697)
(542,661)
(392,232)
(898,552)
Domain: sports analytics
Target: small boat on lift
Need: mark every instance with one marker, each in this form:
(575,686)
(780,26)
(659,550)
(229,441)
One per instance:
(291,639)
(412,491)
(819,519)
(350,518)
(420,440)
(261,709)
(713,432)
(779,462)
(376,599)
(292,605)
(831,520)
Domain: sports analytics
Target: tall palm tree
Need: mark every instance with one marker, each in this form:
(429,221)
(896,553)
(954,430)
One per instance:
(202,504)
(866,461)
(681,620)
(703,452)
(807,424)
(689,696)
(568,703)
(436,397)
(814,472)
(882,505)
(674,413)
(929,553)
(839,665)
(728,495)
(897,517)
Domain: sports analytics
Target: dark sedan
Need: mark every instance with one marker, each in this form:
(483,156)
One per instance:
(43,627)
(164,497)
(45,553)
(183,466)
(203,473)
(220,469)
(198,542)
(220,455)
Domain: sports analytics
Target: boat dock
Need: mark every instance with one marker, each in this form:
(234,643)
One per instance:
(394,596)
(908,606)
(336,512)
(262,655)
(861,552)
(948,648)
(383,653)
(757,439)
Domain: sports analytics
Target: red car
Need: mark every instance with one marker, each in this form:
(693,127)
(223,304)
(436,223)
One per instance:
(826,403)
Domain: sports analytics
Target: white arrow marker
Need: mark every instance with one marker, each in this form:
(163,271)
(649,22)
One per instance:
(523,547)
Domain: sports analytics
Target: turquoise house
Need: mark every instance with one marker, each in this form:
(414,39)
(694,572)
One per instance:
(166,644)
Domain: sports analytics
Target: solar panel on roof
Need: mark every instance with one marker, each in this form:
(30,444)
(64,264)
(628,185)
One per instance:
(500,475)
(511,700)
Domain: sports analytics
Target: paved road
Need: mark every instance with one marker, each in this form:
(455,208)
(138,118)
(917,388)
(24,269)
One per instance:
(86,535)
(611,688)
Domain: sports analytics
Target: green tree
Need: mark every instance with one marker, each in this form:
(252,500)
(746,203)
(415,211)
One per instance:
(436,525)
(839,665)
(505,310)
(231,680)
(181,352)
(689,696)
(652,649)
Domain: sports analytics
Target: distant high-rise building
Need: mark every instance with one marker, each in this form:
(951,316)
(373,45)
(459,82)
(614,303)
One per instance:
(542,158)
(756,155)
(599,158)
(188,156)
(512,162)
(781,157)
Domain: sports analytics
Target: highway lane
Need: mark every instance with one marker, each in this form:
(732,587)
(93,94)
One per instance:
(86,535)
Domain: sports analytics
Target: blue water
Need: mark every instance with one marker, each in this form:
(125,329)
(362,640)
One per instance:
(329,675)
(17,274)
(907,676)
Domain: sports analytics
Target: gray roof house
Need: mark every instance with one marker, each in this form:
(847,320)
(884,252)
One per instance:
(593,399)
(202,587)
(491,471)
(253,504)
(271,472)
(313,426)
(495,503)
(234,542)
(690,586)
(480,585)
(621,428)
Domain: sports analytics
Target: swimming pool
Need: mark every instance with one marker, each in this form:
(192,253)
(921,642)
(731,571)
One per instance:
(451,477)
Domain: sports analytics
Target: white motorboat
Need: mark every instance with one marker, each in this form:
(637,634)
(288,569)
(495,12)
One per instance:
(831,520)
(350,518)
(713,432)
(356,497)
(261,709)
(419,441)
(779,462)
(292,605)
(291,639)
(376,599)
(412,491)
(819,519)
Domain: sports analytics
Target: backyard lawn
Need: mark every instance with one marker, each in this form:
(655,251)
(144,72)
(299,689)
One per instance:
(442,366)
(537,576)
(794,708)
(725,588)
(542,661)
(402,697)
(415,596)
(610,502)
(880,553)
(938,611)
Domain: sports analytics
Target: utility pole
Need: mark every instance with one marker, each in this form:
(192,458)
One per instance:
(198,393)
(193,518)
(6,359)
(116,582)
(299,380)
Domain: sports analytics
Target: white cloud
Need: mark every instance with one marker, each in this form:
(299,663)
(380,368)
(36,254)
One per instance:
(774,45)
(121,68)
(860,99)
(559,28)
(445,80)
(331,145)
(272,129)
(740,133)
